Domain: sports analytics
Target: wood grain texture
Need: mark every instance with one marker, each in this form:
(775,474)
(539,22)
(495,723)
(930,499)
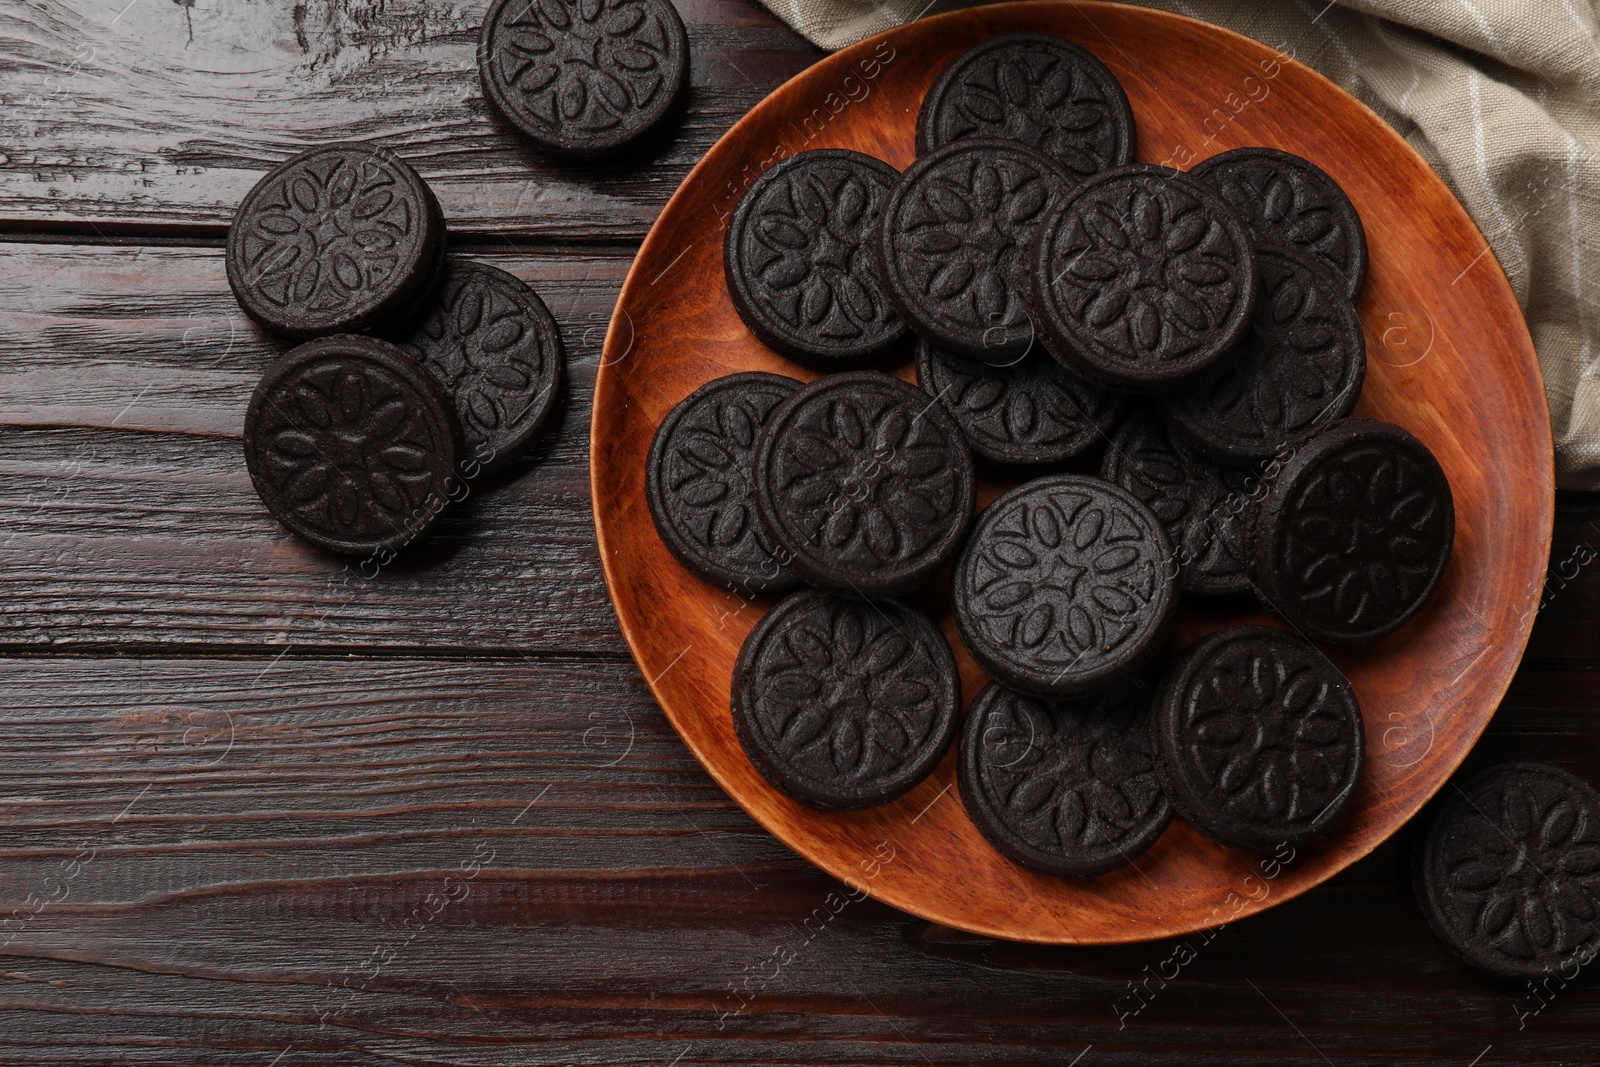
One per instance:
(131,520)
(1440,676)
(166,114)
(380,860)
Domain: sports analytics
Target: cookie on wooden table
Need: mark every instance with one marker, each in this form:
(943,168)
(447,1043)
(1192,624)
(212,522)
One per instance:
(699,482)
(490,340)
(799,262)
(343,238)
(1301,364)
(352,444)
(1508,872)
(583,78)
(1201,503)
(844,704)
(1288,200)
(1064,787)
(1141,279)
(1352,533)
(865,483)
(1035,88)
(1029,412)
(952,243)
(1066,586)
(1257,738)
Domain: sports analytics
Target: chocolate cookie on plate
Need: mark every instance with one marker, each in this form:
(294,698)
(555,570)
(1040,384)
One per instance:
(699,482)
(952,242)
(1066,586)
(1029,412)
(865,483)
(799,263)
(1288,200)
(1141,279)
(1352,533)
(1257,738)
(1508,873)
(1201,503)
(1067,788)
(352,444)
(343,238)
(1035,88)
(844,704)
(1301,364)
(583,78)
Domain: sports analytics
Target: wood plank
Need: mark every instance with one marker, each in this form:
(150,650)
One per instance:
(235,863)
(164,114)
(131,520)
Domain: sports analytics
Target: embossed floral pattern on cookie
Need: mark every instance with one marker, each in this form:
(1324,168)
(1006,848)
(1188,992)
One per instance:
(845,704)
(1066,584)
(351,443)
(1144,278)
(1301,364)
(699,483)
(1037,89)
(1509,872)
(1259,737)
(334,239)
(799,263)
(492,342)
(1066,787)
(865,481)
(954,236)
(583,77)
(1031,411)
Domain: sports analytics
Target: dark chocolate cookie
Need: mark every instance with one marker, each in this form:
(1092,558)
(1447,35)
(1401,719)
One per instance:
(1353,531)
(352,444)
(582,78)
(489,338)
(845,704)
(1067,788)
(1030,412)
(1508,873)
(1065,586)
(1201,503)
(341,238)
(698,481)
(865,482)
(799,263)
(1287,200)
(952,243)
(1141,279)
(1257,738)
(1301,364)
(1035,88)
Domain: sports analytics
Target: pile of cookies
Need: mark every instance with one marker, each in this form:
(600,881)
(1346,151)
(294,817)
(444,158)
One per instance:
(1166,361)
(356,443)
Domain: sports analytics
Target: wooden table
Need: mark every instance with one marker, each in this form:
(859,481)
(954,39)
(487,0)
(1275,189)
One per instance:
(260,808)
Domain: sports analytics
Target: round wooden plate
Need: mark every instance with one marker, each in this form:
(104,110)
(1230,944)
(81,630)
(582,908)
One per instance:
(1449,358)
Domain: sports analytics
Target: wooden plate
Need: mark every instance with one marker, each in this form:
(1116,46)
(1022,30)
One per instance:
(1449,358)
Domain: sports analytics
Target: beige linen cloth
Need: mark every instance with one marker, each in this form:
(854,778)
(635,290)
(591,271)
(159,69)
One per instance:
(1502,97)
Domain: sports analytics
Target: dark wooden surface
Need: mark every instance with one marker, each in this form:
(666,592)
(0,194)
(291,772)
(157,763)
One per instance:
(256,808)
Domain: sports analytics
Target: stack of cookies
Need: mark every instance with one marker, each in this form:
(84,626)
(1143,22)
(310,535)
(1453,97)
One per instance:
(1163,364)
(419,370)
